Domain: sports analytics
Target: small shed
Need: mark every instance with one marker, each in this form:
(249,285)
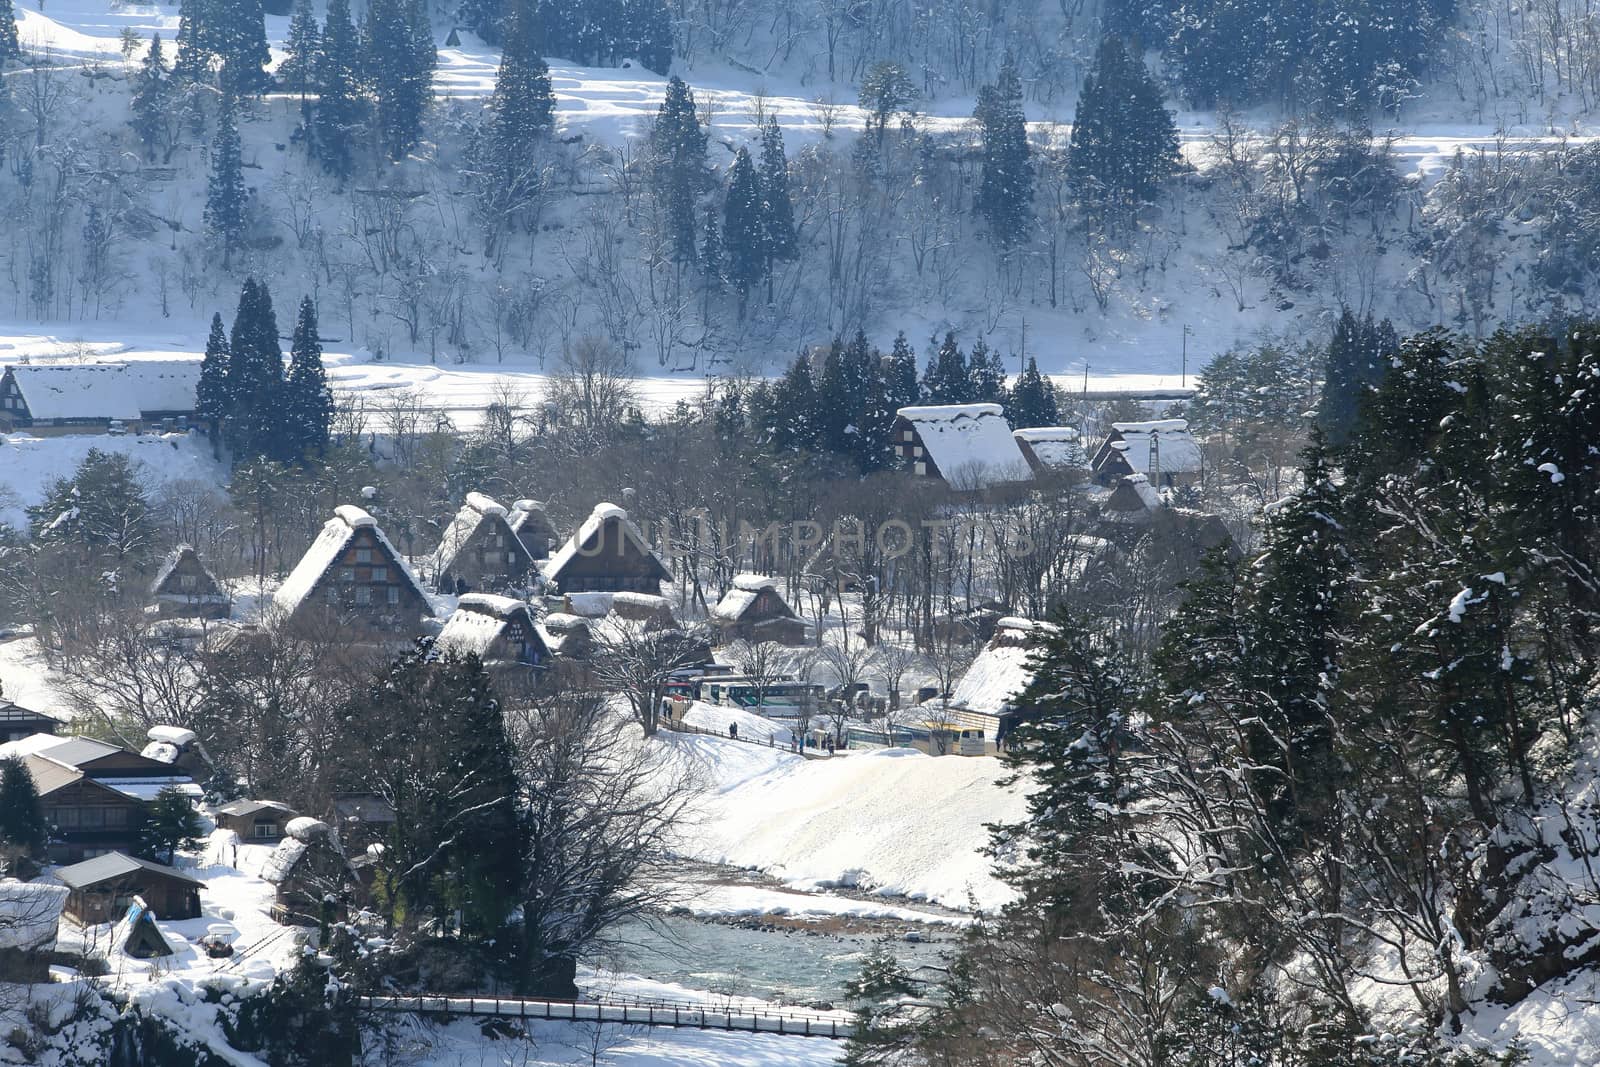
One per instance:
(102,888)
(362,818)
(184,589)
(255,821)
(1134,503)
(654,611)
(479,550)
(532,525)
(310,874)
(607,554)
(753,610)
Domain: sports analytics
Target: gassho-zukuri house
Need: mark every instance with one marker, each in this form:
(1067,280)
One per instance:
(607,554)
(1162,450)
(967,446)
(479,549)
(352,575)
(753,610)
(49,399)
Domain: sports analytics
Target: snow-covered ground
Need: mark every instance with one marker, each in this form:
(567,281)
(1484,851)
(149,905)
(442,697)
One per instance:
(29,465)
(731,901)
(893,822)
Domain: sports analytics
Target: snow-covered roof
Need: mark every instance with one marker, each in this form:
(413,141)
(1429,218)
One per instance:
(746,589)
(161,751)
(1134,498)
(113,865)
(971,444)
(305,828)
(473,511)
(250,807)
(1054,446)
(328,547)
(177,735)
(147,789)
(170,564)
(999,672)
(30,913)
(106,390)
(589,530)
(1176,449)
(563,633)
(281,863)
(478,620)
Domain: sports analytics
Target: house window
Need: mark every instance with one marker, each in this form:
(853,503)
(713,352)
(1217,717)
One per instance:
(363,595)
(363,555)
(187,582)
(394,594)
(116,816)
(491,557)
(908,436)
(265,828)
(922,468)
(380,574)
(917,451)
(91,818)
(347,574)
(333,595)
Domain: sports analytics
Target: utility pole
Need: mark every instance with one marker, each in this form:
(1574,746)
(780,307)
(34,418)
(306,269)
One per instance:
(1185,380)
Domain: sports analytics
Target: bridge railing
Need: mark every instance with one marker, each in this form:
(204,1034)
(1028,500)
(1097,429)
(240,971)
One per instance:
(686,1014)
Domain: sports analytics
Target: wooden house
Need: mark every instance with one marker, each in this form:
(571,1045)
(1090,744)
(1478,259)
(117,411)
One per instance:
(17,722)
(50,399)
(479,550)
(362,819)
(353,576)
(1162,450)
(101,889)
(503,633)
(255,821)
(184,589)
(753,610)
(311,877)
(967,446)
(532,525)
(1134,503)
(607,554)
(1052,450)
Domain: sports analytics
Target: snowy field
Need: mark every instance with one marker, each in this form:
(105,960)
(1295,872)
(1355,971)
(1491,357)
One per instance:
(29,465)
(893,822)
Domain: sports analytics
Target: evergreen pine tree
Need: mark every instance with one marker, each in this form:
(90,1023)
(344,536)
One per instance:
(1033,399)
(947,379)
(741,229)
(23,831)
(1357,355)
(199,40)
(1005,191)
(398,66)
(987,373)
(1124,143)
(299,68)
(794,402)
(102,508)
(879,993)
(648,33)
(523,103)
(901,388)
(484,17)
(874,444)
(713,263)
(307,407)
(778,239)
(1074,743)
(170,824)
(678,155)
(152,101)
(242,45)
(225,192)
(337,116)
(10,46)
(212,403)
(255,377)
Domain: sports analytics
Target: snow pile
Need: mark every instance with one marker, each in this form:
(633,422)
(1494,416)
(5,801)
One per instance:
(971,444)
(894,821)
(29,913)
(999,672)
